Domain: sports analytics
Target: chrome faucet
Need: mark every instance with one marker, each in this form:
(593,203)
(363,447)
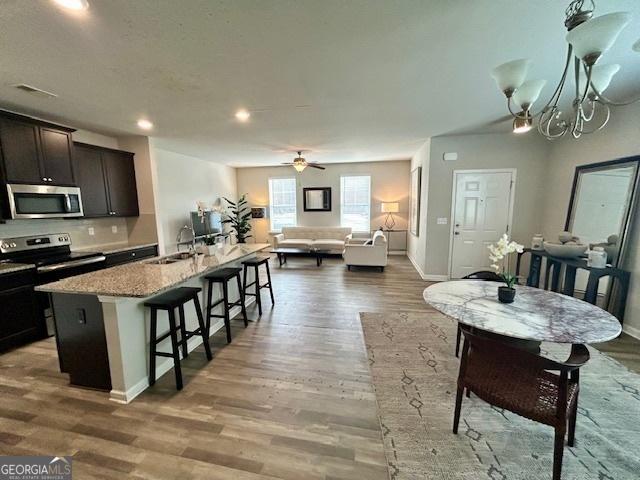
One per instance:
(189,228)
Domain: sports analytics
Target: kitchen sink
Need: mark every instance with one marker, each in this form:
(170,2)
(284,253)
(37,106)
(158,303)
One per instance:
(176,257)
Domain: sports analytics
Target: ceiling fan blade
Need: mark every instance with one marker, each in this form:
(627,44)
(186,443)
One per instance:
(313,165)
(286,163)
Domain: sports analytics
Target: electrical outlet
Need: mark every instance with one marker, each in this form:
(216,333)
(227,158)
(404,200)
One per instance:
(442,220)
(114,229)
(92,231)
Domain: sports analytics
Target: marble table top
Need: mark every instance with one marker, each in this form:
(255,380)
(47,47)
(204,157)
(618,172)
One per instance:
(535,314)
(148,277)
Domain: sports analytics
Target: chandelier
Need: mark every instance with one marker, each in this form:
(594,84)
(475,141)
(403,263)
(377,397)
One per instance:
(588,40)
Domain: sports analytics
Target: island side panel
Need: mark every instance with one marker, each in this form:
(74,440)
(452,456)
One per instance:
(126,324)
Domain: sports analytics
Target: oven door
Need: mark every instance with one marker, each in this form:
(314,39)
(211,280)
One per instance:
(44,201)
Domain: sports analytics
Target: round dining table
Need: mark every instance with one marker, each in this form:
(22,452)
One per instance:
(535,315)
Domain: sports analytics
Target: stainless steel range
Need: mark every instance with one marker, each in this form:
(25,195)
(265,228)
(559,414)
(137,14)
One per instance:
(54,260)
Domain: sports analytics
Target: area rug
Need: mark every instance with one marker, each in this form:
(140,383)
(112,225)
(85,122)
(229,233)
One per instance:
(414,374)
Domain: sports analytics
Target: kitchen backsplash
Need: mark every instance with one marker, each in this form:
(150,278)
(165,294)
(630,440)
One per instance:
(105,230)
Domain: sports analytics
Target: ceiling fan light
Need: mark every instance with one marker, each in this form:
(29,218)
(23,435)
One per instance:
(522,124)
(528,93)
(593,38)
(509,76)
(299,167)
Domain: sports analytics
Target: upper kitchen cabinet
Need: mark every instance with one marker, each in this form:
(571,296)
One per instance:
(35,152)
(121,182)
(107,180)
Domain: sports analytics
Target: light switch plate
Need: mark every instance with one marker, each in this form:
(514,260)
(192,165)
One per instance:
(114,229)
(442,220)
(92,231)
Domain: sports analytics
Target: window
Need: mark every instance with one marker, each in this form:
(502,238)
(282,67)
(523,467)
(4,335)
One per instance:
(282,203)
(355,202)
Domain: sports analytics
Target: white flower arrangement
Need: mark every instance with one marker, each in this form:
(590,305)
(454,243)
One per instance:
(499,255)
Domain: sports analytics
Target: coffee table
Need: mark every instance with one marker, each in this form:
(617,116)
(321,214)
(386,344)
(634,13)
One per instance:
(283,253)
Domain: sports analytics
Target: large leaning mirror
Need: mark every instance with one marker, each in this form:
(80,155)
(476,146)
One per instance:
(602,205)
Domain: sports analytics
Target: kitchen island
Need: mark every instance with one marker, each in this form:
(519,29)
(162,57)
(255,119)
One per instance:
(102,326)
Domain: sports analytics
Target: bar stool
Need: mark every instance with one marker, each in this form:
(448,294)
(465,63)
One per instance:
(223,276)
(255,263)
(170,301)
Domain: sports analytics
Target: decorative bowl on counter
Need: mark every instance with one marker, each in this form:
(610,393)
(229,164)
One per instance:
(565,250)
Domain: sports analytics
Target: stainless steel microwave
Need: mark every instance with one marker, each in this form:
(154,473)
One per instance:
(44,201)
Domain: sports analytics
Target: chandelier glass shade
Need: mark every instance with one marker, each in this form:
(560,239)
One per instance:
(588,39)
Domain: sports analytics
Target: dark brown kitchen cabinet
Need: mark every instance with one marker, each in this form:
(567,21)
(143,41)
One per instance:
(56,156)
(90,176)
(121,183)
(107,181)
(19,321)
(20,152)
(35,152)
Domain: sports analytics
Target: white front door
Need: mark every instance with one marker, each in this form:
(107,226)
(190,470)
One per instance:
(481,215)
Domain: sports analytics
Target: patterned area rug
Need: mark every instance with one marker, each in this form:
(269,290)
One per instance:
(414,374)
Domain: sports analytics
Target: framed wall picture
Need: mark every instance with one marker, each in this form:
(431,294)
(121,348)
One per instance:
(414,201)
(317,199)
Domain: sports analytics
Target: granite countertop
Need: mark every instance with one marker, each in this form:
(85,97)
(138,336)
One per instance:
(115,247)
(535,314)
(14,267)
(148,277)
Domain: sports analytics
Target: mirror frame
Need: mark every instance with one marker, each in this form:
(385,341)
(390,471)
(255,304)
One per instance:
(580,169)
(326,193)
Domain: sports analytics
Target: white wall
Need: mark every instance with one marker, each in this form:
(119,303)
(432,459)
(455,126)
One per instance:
(389,183)
(183,180)
(621,138)
(417,244)
(526,153)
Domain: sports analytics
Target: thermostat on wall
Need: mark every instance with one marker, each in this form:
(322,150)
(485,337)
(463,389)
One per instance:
(450,156)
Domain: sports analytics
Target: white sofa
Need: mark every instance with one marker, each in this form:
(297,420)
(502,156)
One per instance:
(371,254)
(324,238)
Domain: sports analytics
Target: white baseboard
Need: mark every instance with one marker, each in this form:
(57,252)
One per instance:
(397,252)
(164,365)
(436,278)
(415,265)
(633,331)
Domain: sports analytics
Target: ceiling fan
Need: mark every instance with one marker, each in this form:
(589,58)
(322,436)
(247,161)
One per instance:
(300,163)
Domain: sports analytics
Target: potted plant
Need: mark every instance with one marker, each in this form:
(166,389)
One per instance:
(238,216)
(499,255)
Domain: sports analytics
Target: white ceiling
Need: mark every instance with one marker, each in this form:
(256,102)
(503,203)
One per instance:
(353,80)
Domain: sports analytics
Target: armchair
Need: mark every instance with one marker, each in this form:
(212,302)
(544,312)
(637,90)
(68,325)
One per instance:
(372,254)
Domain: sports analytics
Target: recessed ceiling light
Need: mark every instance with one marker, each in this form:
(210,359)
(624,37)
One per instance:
(243,115)
(145,124)
(73,4)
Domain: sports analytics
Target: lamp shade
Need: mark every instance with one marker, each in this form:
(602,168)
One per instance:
(528,93)
(601,76)
(390,207)
(594,37)
(509,76)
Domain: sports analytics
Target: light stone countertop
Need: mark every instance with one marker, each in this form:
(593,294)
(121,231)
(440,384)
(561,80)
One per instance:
(535,314)
(147,277)
(14,267)
(108,248)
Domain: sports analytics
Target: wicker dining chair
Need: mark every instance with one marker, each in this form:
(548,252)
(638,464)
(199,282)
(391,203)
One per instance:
(487,275)
(523,383)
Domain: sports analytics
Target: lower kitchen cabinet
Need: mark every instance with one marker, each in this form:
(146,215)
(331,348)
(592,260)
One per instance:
(20,320)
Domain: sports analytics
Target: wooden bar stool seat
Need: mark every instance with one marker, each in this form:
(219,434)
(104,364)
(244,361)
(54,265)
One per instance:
(255,264)
(223,276)
(170,301)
